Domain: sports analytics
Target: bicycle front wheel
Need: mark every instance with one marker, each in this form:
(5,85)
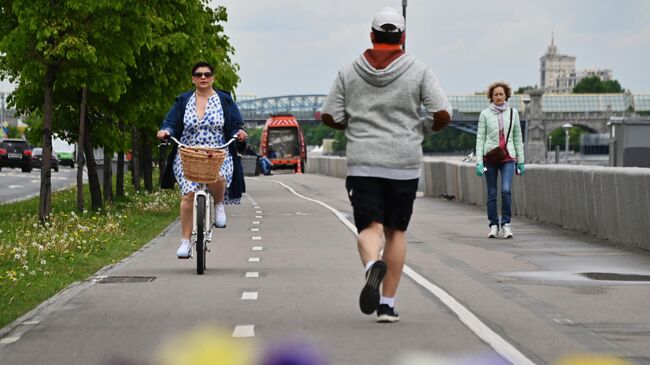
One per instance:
(201,248)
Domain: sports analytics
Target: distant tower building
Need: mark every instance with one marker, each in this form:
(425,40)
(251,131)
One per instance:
(558,71)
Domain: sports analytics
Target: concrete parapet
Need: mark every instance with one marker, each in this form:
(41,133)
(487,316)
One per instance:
(327,165)
(611,203)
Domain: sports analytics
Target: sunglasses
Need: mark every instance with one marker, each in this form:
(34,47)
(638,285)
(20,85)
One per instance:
(201,74)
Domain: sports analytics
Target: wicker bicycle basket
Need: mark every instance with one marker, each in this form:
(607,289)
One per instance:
(202,164)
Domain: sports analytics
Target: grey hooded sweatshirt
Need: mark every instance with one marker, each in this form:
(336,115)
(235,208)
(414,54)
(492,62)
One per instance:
(380,111)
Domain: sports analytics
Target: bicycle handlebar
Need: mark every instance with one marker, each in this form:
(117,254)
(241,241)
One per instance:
(165,143)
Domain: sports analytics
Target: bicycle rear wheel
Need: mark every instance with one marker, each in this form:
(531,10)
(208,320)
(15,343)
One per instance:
(201,248)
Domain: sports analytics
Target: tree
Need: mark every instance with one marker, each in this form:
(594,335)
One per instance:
(314,134)
(74,44)
(558,138)
(524,89)
(593,84)
(185,32)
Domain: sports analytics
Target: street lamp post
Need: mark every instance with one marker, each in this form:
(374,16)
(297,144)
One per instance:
(548,149)
(567,127)
(404,15)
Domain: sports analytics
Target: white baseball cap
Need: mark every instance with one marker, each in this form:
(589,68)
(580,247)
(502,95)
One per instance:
(388,16)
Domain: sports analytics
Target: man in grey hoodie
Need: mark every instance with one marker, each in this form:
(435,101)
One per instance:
(377,100)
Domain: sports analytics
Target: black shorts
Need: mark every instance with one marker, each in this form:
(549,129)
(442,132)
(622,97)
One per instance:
(387,201)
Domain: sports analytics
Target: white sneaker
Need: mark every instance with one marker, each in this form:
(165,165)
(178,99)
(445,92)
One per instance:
(220,216)
(507,233)
(185,250)
(494,231)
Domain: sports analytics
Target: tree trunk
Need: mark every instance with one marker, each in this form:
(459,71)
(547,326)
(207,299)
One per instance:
(119,179)
(147,164)
(135,159)
(79,151)
(108,175)
(45,200)
(93,180)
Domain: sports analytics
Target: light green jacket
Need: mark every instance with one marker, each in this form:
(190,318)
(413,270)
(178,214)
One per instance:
(487,136)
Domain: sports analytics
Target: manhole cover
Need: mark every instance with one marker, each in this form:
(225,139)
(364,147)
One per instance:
(608,276)
(123,279)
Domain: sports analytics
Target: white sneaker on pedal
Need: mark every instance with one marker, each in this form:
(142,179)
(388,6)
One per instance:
(185,250)
(494,231)
(220,216)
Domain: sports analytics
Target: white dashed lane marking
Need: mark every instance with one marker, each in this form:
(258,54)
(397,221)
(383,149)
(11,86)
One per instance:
(253,259)
(252,274)
(256,248)
(249,295)
(246,330)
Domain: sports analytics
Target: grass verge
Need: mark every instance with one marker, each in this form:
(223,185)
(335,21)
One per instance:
(37,261)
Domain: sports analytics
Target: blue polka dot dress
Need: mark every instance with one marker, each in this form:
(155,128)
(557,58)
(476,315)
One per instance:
(205,132)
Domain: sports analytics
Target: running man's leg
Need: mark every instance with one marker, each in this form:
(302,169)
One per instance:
(370,242)
(394,256)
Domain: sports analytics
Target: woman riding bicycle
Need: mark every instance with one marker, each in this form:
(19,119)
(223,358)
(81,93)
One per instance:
(205,117)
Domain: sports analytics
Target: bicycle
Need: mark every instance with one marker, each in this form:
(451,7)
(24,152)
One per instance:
(202,206)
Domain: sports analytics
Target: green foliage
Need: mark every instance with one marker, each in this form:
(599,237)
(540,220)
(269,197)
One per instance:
(523,89)
(13,132)
(36,261)
(449,140)
(34,132)
(314,133)
(558,138)
(593,84)
(340,141)
(134,58)
(254,137)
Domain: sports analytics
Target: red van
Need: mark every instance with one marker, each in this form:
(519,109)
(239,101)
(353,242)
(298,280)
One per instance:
(283,142)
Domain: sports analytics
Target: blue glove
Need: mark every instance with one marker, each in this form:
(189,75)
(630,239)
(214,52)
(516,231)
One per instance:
(520,168)
(479,169)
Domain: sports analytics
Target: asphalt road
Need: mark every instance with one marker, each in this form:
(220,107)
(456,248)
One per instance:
(286,268)
(18,185)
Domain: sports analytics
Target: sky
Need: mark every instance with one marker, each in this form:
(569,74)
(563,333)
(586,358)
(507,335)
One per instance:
(288,47)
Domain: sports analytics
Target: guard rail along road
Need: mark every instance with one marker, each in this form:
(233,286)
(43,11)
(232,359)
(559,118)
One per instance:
(611,203)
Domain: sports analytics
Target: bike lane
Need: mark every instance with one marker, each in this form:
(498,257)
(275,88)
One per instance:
(285,269)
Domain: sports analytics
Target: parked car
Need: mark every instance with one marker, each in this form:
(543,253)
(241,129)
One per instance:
(37,159)
(15,153)
(64,151)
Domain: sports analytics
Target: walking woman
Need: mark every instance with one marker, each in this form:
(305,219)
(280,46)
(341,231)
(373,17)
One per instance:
(499,149)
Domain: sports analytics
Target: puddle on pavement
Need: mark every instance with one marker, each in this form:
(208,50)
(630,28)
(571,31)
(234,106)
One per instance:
(611,278)
(608,276)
